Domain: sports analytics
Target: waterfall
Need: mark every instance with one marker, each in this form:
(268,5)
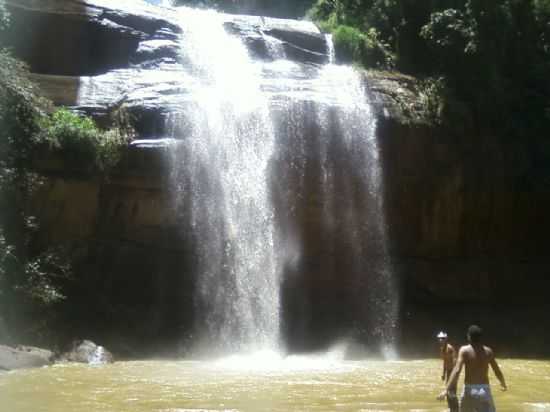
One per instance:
(327,134)
(262,143)
(353,201)
(331,51)
(223,172)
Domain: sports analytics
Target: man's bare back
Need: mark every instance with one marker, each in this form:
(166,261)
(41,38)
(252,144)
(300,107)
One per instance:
(476,358)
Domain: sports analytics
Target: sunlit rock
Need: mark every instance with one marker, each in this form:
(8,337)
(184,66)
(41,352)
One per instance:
(300,40)
(155,49)
(87,352)
(88,37)
(22,357)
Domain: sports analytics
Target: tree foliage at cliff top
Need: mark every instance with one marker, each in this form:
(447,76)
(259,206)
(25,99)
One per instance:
(493,54)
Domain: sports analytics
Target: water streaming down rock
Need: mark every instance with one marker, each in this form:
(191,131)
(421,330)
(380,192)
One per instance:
(259,140)
(328,137)
(222,169)
(331,51)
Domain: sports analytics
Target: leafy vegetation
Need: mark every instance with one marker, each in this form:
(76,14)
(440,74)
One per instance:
(493,55)
(81,142)
(33,280)
(29,278)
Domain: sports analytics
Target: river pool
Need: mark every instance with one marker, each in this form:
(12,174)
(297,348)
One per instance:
(258,383)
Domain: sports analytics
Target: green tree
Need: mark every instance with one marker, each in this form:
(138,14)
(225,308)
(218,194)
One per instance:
(29,279)
(33,280)
(493,55)
(82,144)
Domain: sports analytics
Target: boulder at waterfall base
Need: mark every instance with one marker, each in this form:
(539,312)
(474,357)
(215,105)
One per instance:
(86,351)
(22,357)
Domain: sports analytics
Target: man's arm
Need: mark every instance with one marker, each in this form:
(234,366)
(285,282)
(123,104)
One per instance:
(453,379)
(453,352)
(443,355)
(498,372)
(450,355)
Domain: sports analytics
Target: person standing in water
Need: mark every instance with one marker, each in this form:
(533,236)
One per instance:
(448,354)
(476,357)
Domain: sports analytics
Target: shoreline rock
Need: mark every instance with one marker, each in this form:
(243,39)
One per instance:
(23,357)
(86,351)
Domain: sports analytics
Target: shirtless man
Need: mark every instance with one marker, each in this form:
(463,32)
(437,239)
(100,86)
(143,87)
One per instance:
(448,355)
(477,358)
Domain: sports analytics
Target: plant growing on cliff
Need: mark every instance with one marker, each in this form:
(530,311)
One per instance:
(81,142)
(366,48)
(352,42)
(493,54)
(31,289)
(32,279)
(21,108)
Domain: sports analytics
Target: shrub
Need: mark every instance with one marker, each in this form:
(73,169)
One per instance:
(450,28)
(21,109)
(349,43)
(80,141)
(45,276)
(33,281)
(354,46)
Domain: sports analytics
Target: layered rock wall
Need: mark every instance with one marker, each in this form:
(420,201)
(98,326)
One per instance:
(466,210)
(467,217)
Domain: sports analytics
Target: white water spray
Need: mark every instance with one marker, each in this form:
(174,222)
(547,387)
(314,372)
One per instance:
(223,172)
(245,127)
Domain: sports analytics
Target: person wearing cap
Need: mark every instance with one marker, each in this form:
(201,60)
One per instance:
(448,355)
(476,357)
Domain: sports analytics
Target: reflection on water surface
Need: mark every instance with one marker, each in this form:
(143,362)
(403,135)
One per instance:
(265,382)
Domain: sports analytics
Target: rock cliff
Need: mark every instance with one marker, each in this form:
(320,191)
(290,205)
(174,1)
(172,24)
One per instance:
(466,210)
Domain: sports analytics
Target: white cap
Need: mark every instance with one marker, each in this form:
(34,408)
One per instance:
(441,335)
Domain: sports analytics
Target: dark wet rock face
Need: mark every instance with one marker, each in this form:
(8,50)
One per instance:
(467,214)
(90,37)
(94,56)
(85,38)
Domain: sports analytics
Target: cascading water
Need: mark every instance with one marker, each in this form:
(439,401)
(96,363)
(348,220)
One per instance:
(259,141)
(353,207)
(228,142)
(327,134)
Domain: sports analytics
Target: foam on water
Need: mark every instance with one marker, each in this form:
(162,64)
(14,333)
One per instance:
(270,361)
(537,407)
(334,359)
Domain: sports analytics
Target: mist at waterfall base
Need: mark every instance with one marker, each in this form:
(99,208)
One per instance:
(275,162)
